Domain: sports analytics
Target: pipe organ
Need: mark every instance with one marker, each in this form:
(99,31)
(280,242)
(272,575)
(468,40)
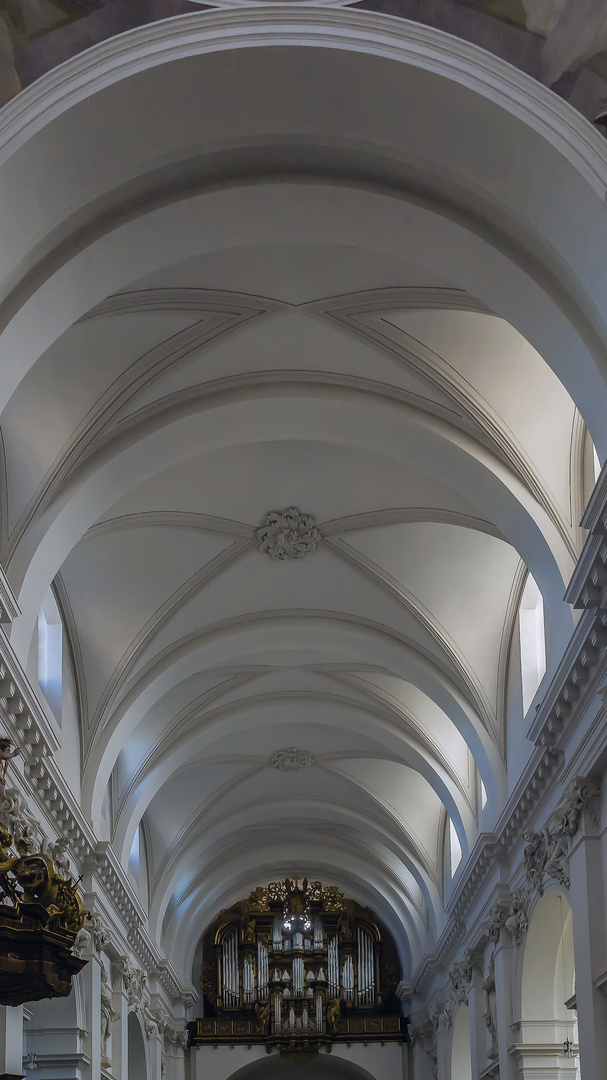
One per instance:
(298,965)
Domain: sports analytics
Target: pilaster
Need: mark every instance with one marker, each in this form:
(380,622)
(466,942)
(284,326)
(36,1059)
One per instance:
(505,952)
(120,1005)
(478,1024)
(174,1061)
(11,1042)
(441,1018)
(587,899)
(91,983)
(155,1055)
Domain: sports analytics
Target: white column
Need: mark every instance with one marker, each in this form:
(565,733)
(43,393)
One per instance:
(91,984)
(11,1041)
(587,898)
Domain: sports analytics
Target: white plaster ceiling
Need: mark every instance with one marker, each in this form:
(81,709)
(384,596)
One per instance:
(382,652)
(244,349)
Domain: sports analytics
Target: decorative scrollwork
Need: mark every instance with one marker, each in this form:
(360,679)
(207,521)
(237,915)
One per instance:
(510,916)
(41,917)
(460,974)
(288,534)
(547,852)
(32,880)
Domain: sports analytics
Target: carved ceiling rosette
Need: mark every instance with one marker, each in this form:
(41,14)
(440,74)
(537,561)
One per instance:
(291,759)
(288,534)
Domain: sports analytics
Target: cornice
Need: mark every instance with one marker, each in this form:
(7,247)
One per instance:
(546,762)
(431,963)
(300,25)
(595,515)
(9,608)
(588,585)
(571,680)
(21,712)
(25,723)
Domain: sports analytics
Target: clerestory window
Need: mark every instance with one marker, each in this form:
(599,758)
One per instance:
(50,654)
(532,639)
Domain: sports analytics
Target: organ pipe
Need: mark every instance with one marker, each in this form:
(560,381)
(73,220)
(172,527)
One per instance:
(366,968)
(231,987)
(263,973)
(248,981)
(348,979)
(287,957)
(317,933)
(298,976)
(334,967)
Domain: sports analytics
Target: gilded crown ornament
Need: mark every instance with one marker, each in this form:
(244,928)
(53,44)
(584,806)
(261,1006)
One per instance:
(288,534)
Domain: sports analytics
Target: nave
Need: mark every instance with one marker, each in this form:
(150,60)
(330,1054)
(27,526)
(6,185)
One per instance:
(303,534)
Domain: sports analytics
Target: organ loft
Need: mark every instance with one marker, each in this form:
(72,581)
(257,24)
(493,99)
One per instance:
(298,966)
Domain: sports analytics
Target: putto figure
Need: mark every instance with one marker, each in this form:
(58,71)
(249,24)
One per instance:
(6,755)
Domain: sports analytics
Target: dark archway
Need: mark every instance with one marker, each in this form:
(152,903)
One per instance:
(302,1067)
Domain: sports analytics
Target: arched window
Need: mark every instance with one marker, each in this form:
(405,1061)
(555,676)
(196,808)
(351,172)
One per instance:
(138,862)
(455,848)
(596,463)
(135,854)
(50,654)
(532,639)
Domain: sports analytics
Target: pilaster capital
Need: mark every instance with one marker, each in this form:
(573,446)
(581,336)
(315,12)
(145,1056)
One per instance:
(460,974)
(508,917)
(546,853)
(175,1040)
(156,1021)
(133,980)
(441,1016)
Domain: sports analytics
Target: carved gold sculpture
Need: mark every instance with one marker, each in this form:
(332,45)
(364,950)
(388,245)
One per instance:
(41,915)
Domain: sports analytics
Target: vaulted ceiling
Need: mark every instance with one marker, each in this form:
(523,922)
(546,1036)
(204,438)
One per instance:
(304,342)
